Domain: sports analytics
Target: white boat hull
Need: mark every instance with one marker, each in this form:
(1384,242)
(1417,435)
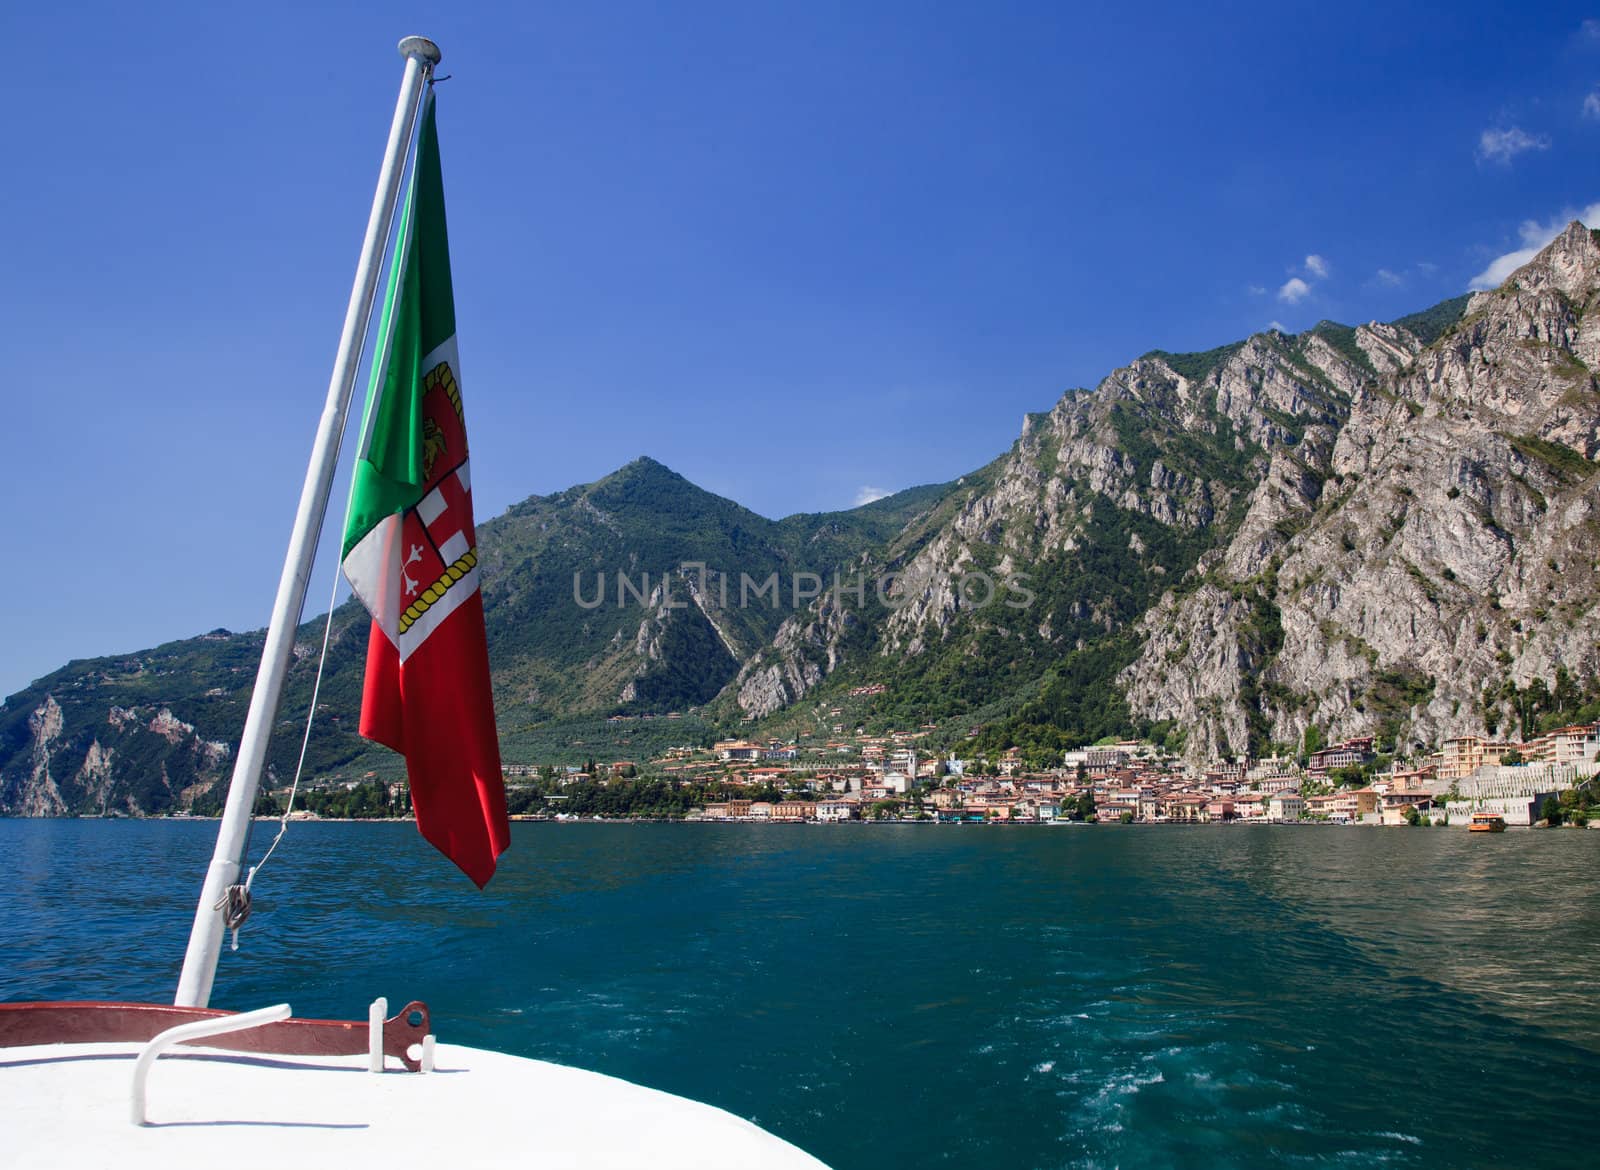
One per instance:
(66,1105)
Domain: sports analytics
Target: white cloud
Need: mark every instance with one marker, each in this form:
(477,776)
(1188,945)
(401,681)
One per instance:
(1278,325)
(1591,105)
(1294,291)
(867,494)
(1297,288)
(1535,235)
(1590,30)
(1389,279)
(1501,146)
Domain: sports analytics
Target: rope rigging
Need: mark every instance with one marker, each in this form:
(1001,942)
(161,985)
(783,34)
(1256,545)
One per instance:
(235,901)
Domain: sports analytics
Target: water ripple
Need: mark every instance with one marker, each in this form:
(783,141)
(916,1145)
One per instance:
(898,997)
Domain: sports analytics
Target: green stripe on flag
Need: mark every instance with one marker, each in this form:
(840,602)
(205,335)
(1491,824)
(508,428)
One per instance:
(419,315)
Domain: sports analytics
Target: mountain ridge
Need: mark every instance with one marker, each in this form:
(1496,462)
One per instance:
(1218,547)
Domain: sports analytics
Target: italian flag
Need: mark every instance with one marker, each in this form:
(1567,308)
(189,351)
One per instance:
(411,553)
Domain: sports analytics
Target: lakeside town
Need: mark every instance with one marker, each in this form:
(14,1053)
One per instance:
(892,776)
(1133,781)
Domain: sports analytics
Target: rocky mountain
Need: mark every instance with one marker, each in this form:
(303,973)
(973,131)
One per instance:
(1386,529)
(590,611)
(1106,508)
(156,731)
(644,593)
(1432,559)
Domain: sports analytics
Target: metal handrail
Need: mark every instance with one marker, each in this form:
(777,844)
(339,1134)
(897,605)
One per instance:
(198,1030)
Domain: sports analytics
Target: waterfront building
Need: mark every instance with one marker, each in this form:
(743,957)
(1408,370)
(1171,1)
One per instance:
(1339,807)
(1367,800)
(1398,806)
(838,810)
(1321,806)
(1286,805)
(1112,808)
(1249,806)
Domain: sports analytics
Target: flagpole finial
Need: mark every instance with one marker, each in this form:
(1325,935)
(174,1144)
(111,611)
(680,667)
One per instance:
(421,47)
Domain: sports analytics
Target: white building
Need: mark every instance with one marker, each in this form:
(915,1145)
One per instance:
(836,810)
(1285,806)
(897,782)
(1566,745)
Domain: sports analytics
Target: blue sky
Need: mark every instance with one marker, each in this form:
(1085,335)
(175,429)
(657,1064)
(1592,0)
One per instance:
(798,252)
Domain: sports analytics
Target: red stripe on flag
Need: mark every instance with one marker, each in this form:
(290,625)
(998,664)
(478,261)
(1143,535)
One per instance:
(437,710)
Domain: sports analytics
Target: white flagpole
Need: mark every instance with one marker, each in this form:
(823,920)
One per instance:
(205,940)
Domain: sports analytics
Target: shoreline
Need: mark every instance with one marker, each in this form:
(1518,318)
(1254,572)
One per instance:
(769,822)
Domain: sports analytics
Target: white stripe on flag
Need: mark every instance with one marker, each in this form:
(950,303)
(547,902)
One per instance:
(374,572)
(431,507)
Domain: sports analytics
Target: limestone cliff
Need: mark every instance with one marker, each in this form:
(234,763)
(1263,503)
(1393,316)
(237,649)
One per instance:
(1449,547)
(1107,501)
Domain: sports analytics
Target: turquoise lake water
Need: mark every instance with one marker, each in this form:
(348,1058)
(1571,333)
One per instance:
(960,996)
